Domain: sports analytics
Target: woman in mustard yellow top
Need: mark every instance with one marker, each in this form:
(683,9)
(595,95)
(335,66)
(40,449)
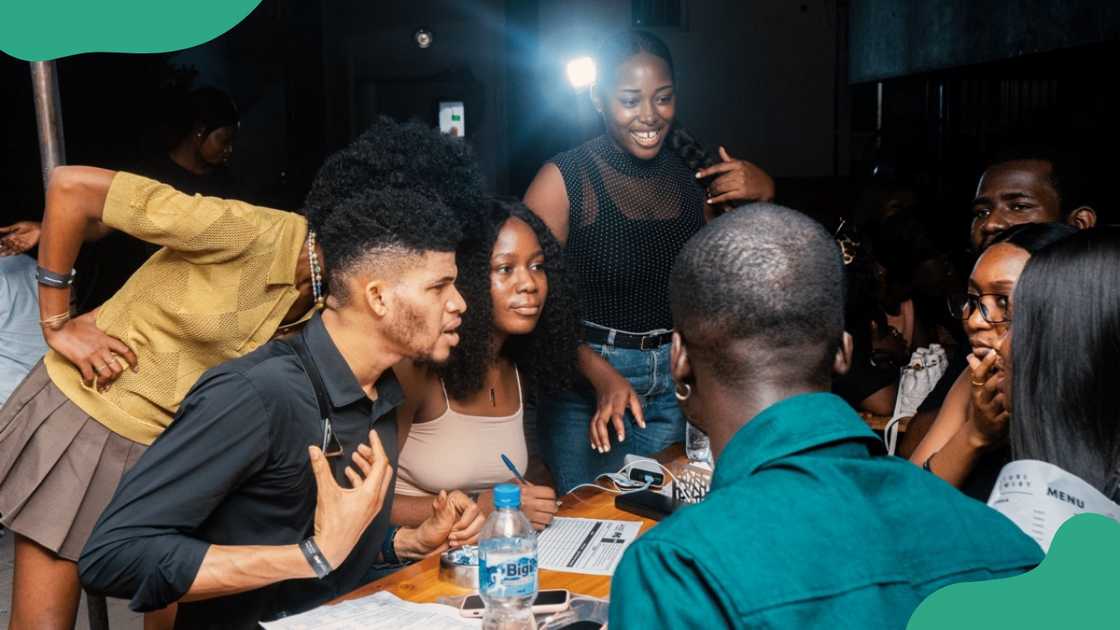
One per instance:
(228,278)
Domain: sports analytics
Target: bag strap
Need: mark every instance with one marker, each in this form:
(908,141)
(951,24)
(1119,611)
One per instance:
(300,346)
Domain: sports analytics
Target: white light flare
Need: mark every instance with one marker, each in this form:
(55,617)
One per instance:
(581,72)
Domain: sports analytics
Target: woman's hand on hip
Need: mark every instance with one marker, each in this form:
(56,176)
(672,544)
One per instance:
(99,357)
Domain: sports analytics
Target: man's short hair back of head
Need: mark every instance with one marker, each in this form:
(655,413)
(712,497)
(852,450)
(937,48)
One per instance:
(765,274)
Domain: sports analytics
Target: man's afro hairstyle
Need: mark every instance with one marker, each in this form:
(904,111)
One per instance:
(396,155)
(387,222)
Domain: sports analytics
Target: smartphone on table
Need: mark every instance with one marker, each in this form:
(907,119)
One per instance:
(547,602)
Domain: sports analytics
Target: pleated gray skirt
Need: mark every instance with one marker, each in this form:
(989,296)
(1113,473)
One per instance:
(58,466)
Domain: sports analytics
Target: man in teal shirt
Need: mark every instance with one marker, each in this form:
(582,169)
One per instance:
(808,524)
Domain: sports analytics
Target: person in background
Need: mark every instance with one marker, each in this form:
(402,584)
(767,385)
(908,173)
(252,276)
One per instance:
(871,384)
(229,276)
(221,513)
(758,300)
(203,125)
(1030,186)
(519,335)
(623,204)
(203,131)
(920,276)
(967,443)
(1067,336)
(21,338)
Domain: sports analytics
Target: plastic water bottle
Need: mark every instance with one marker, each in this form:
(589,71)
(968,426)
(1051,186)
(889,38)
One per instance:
(507,563)
(697,447)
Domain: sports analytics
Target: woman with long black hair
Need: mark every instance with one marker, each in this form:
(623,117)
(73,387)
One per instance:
(623,206)
(1061,385)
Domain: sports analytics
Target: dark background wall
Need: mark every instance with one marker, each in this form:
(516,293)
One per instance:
(758,76)
(308,75)
(767,78)
(374,67)
(891,38)
(941,88)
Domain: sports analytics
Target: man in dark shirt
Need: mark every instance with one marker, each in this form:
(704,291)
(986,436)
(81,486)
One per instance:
(807,523)
(222,513)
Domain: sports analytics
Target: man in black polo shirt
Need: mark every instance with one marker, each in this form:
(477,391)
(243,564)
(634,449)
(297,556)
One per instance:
(223,514)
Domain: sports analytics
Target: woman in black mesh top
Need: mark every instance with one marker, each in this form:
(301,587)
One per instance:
(624,208)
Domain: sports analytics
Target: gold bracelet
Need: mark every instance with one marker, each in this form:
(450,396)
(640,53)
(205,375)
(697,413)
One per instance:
(54,322)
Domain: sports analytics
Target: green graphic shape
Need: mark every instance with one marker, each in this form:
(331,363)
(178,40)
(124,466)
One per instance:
(37,30)
(1074,587)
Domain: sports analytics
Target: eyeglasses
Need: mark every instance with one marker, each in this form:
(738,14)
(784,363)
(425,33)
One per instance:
(994,307)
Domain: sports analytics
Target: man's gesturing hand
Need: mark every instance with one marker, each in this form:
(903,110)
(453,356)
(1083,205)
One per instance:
(471,519)
(341,514)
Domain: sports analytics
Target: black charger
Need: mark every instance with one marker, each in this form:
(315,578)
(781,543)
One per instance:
(647,503)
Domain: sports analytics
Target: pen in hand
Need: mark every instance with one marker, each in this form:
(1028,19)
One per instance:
(517,473)
(513,469)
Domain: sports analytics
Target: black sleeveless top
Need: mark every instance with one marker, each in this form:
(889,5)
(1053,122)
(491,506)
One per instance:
(628,219)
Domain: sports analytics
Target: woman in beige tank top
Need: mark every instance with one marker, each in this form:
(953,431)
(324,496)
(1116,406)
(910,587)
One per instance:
(519,334)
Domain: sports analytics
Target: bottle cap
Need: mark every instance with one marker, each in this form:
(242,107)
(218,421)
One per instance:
(507,495)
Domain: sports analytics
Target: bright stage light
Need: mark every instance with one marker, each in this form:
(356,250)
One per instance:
(581,72)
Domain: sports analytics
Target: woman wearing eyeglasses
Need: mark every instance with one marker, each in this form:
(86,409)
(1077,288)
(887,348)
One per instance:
(967,443)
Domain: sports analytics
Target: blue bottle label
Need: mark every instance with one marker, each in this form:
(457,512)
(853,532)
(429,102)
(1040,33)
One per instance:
(502,575)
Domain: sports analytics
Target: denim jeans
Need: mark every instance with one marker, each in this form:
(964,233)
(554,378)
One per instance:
(564,419)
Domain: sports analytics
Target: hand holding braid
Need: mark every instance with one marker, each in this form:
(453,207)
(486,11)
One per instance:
(727,181)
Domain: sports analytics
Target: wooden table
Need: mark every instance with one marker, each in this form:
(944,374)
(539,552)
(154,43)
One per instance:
(420,582)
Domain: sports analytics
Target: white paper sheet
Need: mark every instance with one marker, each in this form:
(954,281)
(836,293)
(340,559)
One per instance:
(376,612)
(585,545)
(1039,497)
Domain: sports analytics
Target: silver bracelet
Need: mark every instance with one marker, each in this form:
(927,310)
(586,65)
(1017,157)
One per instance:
(48,278)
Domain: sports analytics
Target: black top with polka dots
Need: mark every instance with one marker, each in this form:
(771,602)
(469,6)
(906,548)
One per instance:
(628,219)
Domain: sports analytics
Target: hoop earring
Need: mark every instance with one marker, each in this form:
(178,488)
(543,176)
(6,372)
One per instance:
(687,391)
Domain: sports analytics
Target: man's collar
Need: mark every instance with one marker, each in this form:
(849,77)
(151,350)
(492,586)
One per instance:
(791,426)
(342,386)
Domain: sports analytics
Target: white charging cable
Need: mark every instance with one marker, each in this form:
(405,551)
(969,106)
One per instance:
(623,483)
(625,470)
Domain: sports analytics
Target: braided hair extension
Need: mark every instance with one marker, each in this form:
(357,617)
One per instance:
(694,155)
(617,49)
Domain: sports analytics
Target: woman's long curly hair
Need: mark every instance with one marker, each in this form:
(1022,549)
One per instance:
(546,357)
